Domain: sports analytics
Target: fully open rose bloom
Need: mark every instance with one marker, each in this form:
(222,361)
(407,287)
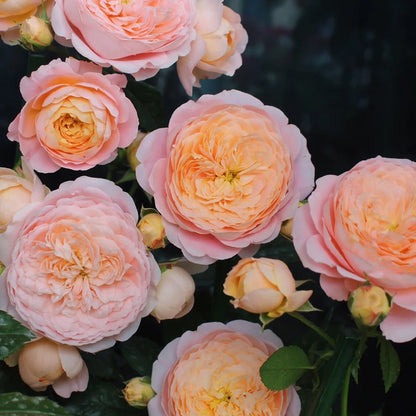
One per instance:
(225,174)
(137,37)
(77,270)
(215,371)
(17,189)
(217,49)
(361,226)
(74,116)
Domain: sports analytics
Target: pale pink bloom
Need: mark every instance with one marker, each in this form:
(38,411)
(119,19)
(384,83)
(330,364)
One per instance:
(225,174)
(262,285)
(77,270)
(18,189)
(216,367)
(217,49)
(43,363)
(174,294)
(74,116)
(137,37)
(361,226)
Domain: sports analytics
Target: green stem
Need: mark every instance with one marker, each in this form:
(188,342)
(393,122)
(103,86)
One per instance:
(345,390)
(311,325)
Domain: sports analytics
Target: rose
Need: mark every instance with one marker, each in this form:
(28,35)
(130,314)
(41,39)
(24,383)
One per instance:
(74,116)
(138,392)
(77,270)
(369,305)
(137,37)
(35,33)
(17,189)
(152,230)
(174,294)
(216,368)
(360,226)
(264,285)
(43,363)
(217,49)
(13,12)
(225,174)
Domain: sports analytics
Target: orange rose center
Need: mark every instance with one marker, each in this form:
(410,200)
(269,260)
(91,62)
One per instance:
(220,377)
(229,170)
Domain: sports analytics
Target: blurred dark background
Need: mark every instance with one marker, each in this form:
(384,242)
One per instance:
(344,73)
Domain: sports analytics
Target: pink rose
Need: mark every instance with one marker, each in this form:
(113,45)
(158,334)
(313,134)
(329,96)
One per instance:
(216,367)
(74,116)
(361,226)
(217,49)
(77,270)
(225,174)
(137,37)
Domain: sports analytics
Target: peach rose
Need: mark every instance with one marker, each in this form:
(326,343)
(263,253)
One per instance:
(15,12)
(264,286)
(77,271)
(137,37)
(361,226)
(18,189)
(43,363)
(215,371)
(217,49)
(225,174)
(74,116)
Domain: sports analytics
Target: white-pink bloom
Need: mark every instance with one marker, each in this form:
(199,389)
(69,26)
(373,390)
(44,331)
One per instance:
(217,49)
(77,270)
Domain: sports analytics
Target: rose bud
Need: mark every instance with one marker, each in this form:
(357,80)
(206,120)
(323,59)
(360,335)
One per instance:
(175,294)
(43,363)
(35,33)
(262,285)
(138,392)
(132,150)
(18,189)
(287,226)
(369,305)
(152,230)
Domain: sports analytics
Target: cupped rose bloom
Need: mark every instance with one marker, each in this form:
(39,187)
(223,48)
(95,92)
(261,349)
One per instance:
(217,49)
(43,363)
(137,37)
(174,294)
(74,116)
(225,174)
(77,271)
(18,189)
(361,227)
(215,371)
(262,285)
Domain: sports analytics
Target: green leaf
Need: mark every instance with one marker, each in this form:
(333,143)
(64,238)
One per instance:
(390,363)
(13,335)
(308,307)
(146,211)
(148,103)
(284,367)
(140,353)
(302,282)
(101,399)
(265,319)
(357,358)
(334,376)
(16,404)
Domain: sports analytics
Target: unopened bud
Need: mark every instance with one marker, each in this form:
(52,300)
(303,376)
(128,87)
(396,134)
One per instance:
(369,305)
(132,150)
(287,226)
(138,392)
(152,230)
(174,293)
(35,33)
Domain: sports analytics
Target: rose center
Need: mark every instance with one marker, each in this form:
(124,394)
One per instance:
(70,128)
